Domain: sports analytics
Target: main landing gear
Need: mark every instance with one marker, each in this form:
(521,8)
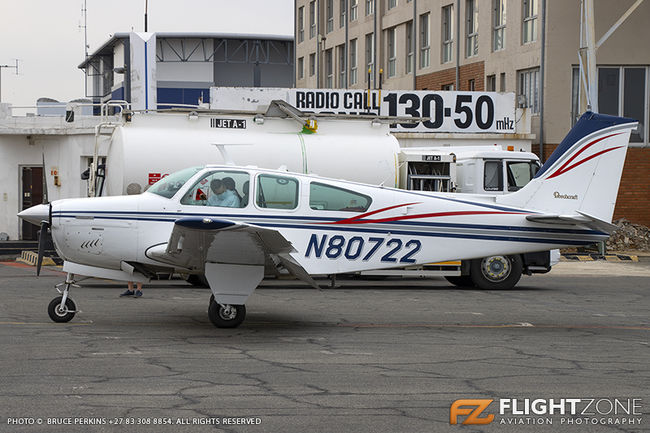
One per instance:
(62,308)
(226,315)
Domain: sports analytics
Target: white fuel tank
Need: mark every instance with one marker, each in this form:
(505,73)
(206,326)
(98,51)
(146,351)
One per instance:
(156,144)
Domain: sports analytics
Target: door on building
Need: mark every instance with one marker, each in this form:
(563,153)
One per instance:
(32,194)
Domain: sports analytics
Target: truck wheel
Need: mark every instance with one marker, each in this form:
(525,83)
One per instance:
(496,272)
(461,281)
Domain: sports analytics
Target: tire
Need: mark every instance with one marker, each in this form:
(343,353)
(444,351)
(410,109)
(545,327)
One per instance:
(220,319)
(197,280)
(61,316)
(496,272)
(461,281)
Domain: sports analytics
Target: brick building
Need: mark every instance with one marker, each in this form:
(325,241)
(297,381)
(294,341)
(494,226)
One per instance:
(493,45)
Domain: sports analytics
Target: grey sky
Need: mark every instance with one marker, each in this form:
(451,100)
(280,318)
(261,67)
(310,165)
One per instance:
(45,35)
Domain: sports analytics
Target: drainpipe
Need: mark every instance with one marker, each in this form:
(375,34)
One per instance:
(318,42)
(347,44)
(457,45)
(415,43)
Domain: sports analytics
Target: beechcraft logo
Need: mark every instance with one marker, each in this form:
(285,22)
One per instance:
(471,410)
(565,196)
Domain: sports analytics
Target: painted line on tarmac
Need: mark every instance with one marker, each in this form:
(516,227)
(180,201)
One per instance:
(516,325)
(44,323)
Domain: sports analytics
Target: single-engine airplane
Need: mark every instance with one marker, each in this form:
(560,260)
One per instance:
(230,222)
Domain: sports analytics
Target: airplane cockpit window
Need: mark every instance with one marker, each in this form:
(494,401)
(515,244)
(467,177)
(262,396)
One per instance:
(327,197)
(224,188)
(520,173)
(169,185)
(277,192)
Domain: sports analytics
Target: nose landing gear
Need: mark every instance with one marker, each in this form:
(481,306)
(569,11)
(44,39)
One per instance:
(62,308)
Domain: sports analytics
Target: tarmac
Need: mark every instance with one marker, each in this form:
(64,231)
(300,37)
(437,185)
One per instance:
(368,356)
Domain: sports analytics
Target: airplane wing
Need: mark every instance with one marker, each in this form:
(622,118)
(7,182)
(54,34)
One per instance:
(582,219)
(195,241)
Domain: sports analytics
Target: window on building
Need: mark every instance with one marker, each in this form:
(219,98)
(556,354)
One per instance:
(329,15)
(392,51)
(471,85)
(392,4)
(342,78)
(301,68)
(491,83)
(277,192)
(327,197)
(471,28)
(301,24)
(447,86)
(622,91)
(342,9)
(312,64)
(502,82)
(329,69)
(529,26)
(370,54)
(425,40)
(312,19)
(498,25)
(410,47)
(447,33)
(354,6)
(370,7)
(529,89)
(353,62)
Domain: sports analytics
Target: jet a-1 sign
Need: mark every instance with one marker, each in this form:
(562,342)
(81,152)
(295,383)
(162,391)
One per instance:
(230,222)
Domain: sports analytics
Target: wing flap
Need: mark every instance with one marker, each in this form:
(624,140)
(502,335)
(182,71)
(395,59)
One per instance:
(582,219)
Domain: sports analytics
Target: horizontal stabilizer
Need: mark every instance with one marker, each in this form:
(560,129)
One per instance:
(582,219)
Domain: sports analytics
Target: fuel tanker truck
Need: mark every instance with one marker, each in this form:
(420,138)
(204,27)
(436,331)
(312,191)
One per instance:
(149,146)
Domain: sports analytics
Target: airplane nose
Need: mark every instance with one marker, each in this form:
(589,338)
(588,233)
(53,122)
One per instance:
(36,214)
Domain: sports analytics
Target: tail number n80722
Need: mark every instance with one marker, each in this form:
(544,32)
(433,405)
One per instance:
(393,250)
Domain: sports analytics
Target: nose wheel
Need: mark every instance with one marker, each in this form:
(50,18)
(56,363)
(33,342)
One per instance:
(62,308)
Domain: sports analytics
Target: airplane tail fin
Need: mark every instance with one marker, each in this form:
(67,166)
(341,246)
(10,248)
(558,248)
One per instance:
(582,176)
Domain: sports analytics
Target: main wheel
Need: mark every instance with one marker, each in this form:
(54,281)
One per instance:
(496,272)
(61,315)
(226,316)
(461,281)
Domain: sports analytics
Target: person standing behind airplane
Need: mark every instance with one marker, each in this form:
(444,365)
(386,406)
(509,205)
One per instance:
(222,196)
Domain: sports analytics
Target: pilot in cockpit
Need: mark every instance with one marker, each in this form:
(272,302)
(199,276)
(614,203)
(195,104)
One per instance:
(221,195)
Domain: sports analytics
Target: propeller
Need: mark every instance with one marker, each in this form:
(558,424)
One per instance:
(44,234)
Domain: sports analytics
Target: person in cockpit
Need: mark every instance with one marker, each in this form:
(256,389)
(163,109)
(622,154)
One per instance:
(221,195)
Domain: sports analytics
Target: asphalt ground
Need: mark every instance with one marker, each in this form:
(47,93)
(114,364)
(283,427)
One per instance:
(368,356)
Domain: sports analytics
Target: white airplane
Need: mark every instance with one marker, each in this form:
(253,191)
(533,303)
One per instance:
(230,222)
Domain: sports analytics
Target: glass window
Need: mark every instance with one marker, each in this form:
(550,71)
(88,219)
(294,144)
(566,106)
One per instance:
(392,4)
(499,25)
(301,68)
(169,185)
(301,24)
(410,47)
(327,197)
(608,87)
(471,48)
(529,89)
(491,83)
(520,173)
(353,62)
(277,192)
(392,52)
(447,33)
(370,7)
(342,13)
(312,19)
(493,176)
(329,10)
(529,30)
(634,92)
(370,53)
(502,82)
(312,64)
(329,69)
(354,6)
(341,50)
(224,188)
(424,40)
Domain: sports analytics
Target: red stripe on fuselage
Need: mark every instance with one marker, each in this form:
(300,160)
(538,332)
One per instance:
(561,170)
(426,215)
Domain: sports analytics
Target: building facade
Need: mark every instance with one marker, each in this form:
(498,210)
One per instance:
(492,45)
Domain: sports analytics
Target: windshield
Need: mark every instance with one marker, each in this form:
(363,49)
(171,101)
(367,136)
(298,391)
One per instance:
(520,173)
(169,185)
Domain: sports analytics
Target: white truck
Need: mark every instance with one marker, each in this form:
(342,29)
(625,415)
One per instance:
(152,145)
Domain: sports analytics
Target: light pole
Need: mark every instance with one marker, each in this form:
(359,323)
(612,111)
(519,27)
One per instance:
(6,66)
